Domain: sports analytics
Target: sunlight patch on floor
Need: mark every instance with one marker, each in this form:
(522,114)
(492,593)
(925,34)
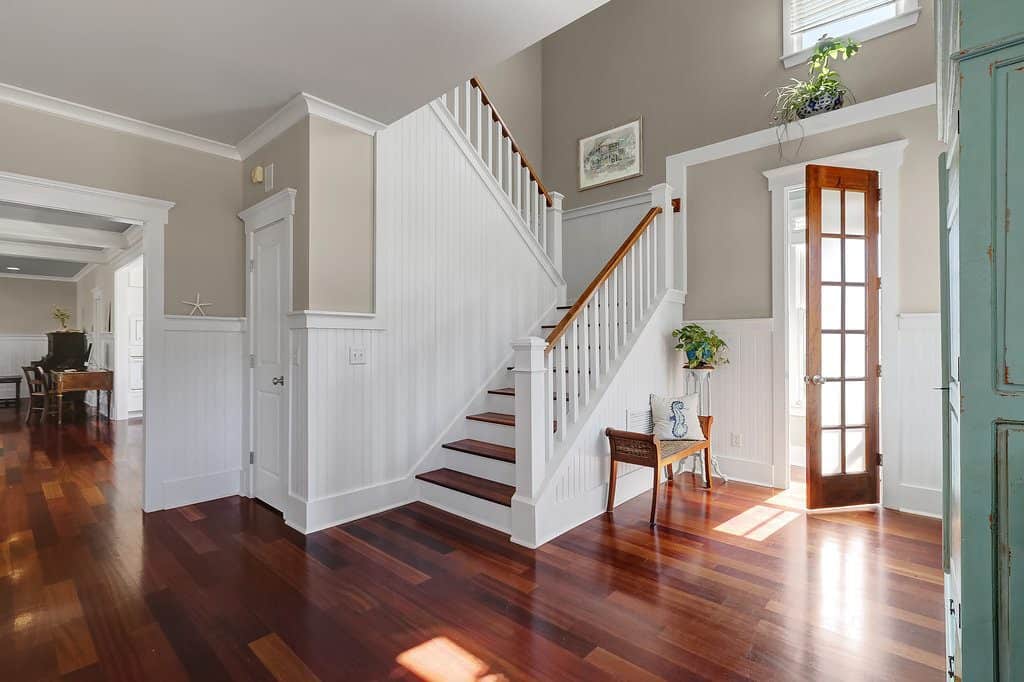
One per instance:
(442,660)
(758,523)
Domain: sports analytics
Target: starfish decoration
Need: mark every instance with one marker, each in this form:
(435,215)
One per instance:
(197,306)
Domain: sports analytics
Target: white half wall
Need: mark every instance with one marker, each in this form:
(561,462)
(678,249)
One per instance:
(201,408)
(17,351)
(456,282)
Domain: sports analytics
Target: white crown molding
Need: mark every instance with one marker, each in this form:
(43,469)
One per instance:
(10,94)
(48,278)
(297,108)
(890,105)
(83,272)
(275,207)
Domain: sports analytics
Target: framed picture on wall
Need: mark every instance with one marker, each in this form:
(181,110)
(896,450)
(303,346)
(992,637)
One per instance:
(610,156)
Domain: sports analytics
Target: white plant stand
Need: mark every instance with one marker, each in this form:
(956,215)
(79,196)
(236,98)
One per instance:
(699,381)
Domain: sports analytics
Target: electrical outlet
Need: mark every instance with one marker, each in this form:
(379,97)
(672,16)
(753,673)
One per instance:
(736,440)
(356,355)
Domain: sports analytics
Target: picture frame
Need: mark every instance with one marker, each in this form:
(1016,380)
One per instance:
(610,156)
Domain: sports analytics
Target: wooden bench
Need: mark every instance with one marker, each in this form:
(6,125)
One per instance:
(646,449)
(16,400)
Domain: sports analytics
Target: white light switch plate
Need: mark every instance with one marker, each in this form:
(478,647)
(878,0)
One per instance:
(356,355)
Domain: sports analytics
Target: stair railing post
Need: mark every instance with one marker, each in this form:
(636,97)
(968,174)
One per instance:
(531,414)
(661,196)
(555,236)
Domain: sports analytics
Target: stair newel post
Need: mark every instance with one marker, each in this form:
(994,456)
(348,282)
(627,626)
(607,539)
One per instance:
(532,414)
(661,196)
(554,228)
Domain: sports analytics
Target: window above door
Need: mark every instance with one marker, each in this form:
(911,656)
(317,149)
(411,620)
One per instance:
(804,22)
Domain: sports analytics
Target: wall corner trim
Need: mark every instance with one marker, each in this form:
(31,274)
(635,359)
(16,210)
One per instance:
(326,319)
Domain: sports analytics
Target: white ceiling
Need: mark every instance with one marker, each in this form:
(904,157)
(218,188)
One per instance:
(219,68)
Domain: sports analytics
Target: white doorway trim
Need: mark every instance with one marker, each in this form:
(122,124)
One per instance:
(886,159)
(151,217)
(280,206)
(121,331)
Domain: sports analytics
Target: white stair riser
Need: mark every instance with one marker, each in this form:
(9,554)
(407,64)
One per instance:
(491,433)
(506,404)
(484,467)
(490,514)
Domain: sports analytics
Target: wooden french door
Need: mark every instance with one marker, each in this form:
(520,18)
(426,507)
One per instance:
(842,337)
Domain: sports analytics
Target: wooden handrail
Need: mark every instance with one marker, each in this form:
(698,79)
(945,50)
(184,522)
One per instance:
(505,132)
(602,276)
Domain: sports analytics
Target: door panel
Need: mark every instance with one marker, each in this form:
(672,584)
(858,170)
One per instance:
(842,336)
(271,273)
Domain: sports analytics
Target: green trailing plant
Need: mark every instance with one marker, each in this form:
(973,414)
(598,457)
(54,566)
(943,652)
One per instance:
(62,316)
(704,349)
(822,91)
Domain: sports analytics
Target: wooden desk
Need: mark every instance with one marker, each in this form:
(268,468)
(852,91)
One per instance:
(69,382)
(16,380)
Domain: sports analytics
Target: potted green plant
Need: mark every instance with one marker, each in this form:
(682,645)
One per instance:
(823,90)
(704,349)
(62,316)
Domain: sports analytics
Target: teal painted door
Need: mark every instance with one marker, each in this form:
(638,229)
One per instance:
(984,314)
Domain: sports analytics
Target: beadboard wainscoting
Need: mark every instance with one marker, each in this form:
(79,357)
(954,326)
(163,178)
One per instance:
(591,234)
(17,351)
(741,400)
(914,481)
(202,406)
(457,278)
(577,489)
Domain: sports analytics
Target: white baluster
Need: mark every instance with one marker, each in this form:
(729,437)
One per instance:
(468,100)
(574,371)
(632,289)
(510,158)
(555,230)
(661,195)
(585,350)
(479,122)
(549,403)
(490,140)
(595,337)
(530,187)
(605,312)
(616,311)
(518,193)
(500,165)
(444,99)
(562,392)
(455,105)
(544,227)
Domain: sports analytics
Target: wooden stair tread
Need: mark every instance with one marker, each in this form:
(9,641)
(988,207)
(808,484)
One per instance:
(499,418)
(508,390)
(483,449)
(483,488)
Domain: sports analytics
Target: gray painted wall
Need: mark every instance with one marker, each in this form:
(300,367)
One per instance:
(516,88)
(26,305)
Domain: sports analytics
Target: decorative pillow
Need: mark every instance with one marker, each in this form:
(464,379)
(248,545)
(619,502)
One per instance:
(676,418)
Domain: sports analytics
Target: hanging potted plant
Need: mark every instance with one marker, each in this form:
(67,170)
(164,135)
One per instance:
(823,90)
(703,348)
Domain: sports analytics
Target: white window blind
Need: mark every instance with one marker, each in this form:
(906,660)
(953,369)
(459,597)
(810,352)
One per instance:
(805,15)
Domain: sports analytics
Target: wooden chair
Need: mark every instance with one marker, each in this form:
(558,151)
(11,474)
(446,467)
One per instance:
(38,396)
(646,449)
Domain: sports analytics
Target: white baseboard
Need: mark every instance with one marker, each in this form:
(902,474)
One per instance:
(915,499)
(746,471)
(192,489)
(315,515)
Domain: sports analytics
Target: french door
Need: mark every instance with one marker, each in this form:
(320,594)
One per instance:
(842,336)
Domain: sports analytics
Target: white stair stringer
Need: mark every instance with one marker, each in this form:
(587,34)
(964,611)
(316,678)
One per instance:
(575,487)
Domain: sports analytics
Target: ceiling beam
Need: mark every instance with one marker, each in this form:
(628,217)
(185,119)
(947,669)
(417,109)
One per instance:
(64,253)
(29,231)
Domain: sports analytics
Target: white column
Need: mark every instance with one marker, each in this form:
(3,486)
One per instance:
(531,415)
(661,196)
(555,231)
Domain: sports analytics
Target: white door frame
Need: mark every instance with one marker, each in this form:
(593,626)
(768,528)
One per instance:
(122,363)
(886,159)
(280,206)
(151,217)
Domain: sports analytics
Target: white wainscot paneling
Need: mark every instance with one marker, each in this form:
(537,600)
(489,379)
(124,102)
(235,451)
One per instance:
(456,282)
(17,351)
(578,483)
(202,405)
(741,400)
(591,234)
(913,475)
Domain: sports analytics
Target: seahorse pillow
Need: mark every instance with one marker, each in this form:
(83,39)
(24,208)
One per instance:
(676,418)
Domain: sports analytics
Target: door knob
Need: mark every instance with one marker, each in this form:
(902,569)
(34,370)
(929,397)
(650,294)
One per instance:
(278,381)
(816,379)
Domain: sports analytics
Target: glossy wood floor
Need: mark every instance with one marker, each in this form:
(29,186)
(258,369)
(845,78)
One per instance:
(736,584)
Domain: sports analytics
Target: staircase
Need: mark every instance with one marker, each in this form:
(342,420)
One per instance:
(497,463)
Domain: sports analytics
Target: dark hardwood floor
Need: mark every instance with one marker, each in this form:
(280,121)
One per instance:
(734,584)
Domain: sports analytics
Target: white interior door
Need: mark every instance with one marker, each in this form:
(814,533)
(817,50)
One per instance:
(136,320)
(271,276)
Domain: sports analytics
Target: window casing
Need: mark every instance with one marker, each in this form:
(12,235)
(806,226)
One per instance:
(861,20)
